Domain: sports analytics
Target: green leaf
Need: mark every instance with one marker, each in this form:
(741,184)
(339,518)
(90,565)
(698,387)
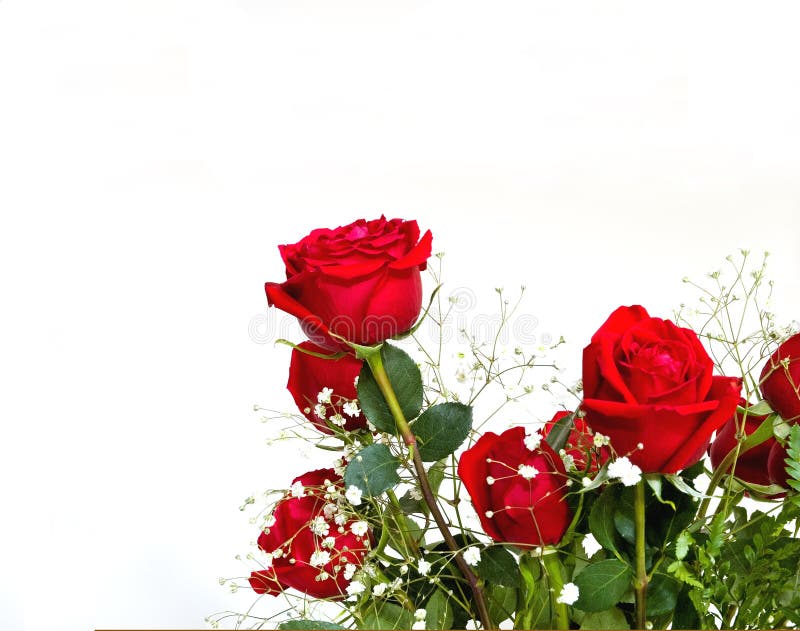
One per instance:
(623,515)
(654,482)
(439,612)
(308,624)
(406,382)
(435,478)
(498,565)
(662,594)
(535,606)
(501,601)
(601,585)
(559,434)
(684,573)
(386,615)
(609,619)
(373,470)
(683,486)
(601,518)
(441,429)
(682,544)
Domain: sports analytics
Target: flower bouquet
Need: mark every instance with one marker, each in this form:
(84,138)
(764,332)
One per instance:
(660,491)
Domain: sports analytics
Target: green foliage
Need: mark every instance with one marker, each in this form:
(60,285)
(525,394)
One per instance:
(385,615)
(373,470)
(793,460)
(535,611)
(436,474)
(439,612)
(602,584)
(441,429)
(498,565)
(601,519)
(612,618)
(406,382)
(559,434)
(309,624)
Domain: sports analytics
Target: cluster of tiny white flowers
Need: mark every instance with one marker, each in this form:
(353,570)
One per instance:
(472,555)
(319,526)
(601,441)
(349,571)
(532,441)
(569,594)
(527,471)
(337,419)
(590,545)
(320,411)
(329,542)
(568,460)
(351,408)
(423,567)
(415,493)
(324,395)
(353,495)
(320,558)
(627,472)
(359,528)
(298,490)
(355,588)
(379,589)
(419,619)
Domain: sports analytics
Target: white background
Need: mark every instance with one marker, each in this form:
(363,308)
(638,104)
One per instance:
(153,153)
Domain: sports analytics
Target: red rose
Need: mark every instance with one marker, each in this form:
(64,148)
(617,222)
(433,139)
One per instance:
(297,555)
(647,381)
(334,380)
(517,492)
(360,281)
(776,465)
(780,379)
(752,464)
(580,443)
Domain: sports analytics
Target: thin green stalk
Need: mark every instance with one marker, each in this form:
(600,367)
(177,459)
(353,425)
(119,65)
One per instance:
(641,580)
(373,359)
(556,577)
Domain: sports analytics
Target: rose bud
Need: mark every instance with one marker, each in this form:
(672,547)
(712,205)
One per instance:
(360,281)
(752,464)
(581,443)
(304,548)
(780,380)
(325,388)
(648,386)
(517,492)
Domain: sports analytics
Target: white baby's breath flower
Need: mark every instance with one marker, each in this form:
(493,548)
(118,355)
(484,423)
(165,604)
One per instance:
(420,614)
(320,558)
(527,471)
(590,545)
(298,490)
(349,571)
(337,419)
(600,440)
(418,625)
(628,473)
(353,495)
(568,460)
(423,567)
(415,493)
(472,555)
(351,408)
(532,441)
(359,528)
(355,587)
(404,569)
(319,526)
(340,519)
(320,411)
(379,589)
(569,594)
(325,395)
(330,510)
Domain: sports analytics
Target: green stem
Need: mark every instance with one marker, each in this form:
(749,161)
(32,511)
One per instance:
(641,580)
(397,514)
(373,359)
(556,577)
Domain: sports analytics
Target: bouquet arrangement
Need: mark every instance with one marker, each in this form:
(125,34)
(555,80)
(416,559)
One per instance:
(665,495)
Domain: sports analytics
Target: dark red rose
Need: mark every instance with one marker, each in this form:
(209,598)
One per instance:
(295,543)
(647,381)
(580,444)
(522,506)
(360,281)
(776,465)
(752,464)
(780,380)
(310,377)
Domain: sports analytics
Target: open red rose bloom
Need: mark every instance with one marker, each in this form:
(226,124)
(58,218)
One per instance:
(360,281)
(304,547)
(649,382)
(517,492)
(780,380)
